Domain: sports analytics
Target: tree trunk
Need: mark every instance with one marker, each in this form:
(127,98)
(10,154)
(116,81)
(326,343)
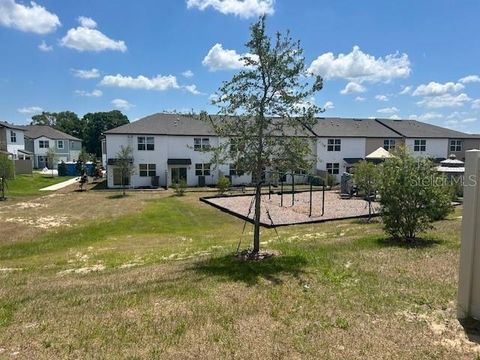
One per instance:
(256,219)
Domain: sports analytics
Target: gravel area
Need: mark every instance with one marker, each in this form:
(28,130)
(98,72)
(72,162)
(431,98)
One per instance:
(335,207)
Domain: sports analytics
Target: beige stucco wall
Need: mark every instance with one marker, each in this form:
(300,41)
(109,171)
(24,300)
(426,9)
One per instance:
(373,144)
(468,144)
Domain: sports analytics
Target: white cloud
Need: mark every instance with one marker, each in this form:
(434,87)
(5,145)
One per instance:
(192,89)
(87,22)
(434,89)
(44,47)
(86,74)
(429,116)
(445,100)
(33,18)
(359,66)
(160,83)
(219,58)
(381,97)
(353,87)
(470,79)
(476,104)
(188,73)
(406,90)
(388,110)
(242,8)
(469,120)
(122,104)
(360,98)
(394,117)
(87,38)
(94,93)
(30,110)
(328,105)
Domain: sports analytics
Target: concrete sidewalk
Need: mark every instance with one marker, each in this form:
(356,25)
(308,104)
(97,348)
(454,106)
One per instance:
(61,185)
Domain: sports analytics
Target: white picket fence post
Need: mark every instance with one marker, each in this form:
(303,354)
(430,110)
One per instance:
(469,274)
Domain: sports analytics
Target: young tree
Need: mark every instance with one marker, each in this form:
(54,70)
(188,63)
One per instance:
(6,173)
(262,106)
(412,195)
(51,156)
(125,164)
(366,180)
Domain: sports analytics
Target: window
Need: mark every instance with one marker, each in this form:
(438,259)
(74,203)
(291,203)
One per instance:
(146,143)
(334,144)
(202,169)
(13,137)
(43,144)
(389,144)
(60,144)
(300,172)
(200,144)
(333,168)
(234,171)
(420,145)
(148,169)
(456,145)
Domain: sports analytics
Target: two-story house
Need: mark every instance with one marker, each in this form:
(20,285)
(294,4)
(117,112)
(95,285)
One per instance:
(39,139)
(12,140)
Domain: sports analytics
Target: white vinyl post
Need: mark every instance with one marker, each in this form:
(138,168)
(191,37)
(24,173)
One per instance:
(469,274)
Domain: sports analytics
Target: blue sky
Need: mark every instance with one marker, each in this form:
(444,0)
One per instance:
(400,59)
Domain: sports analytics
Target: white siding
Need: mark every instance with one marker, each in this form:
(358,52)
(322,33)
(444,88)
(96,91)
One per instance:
(350,148)
(19,144)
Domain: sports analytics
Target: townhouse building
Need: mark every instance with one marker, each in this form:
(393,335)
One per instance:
(171,147)
(12,140)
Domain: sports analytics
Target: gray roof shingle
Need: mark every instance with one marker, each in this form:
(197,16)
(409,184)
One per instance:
(341,127)
(36,131)
(417,129)
(182,124)
(10,126)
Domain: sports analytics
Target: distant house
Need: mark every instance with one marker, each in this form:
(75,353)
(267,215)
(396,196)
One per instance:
(40,138)
(12,140)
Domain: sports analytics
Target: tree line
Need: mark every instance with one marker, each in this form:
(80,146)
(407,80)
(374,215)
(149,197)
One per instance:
(89,128)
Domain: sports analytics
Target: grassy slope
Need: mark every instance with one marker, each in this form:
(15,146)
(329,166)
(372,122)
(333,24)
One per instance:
(171,289)
(28,185)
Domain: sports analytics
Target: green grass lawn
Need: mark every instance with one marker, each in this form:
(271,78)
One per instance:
(29,185)
(163,284)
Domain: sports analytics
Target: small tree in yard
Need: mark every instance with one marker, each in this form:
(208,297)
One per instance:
(261,107)
(412,195)
(366,179)
(124,164)
(223,184)
(6,173)
(51,158)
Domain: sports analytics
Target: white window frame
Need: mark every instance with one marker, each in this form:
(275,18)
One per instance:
(233,171)
(42,143)
(419,145)
(333,168)
(60,142)
(202,169)
(334,144)
(145,143)
(147,170)
(456,145)
(389,144)
(201,144)
(13,136)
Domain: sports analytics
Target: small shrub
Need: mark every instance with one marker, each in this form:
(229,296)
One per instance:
(413,195)
(330,180)
(223,184)
(180,187)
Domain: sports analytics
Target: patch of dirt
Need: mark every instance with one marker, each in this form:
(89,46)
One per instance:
(45,222)
(446,329)
(83,270)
